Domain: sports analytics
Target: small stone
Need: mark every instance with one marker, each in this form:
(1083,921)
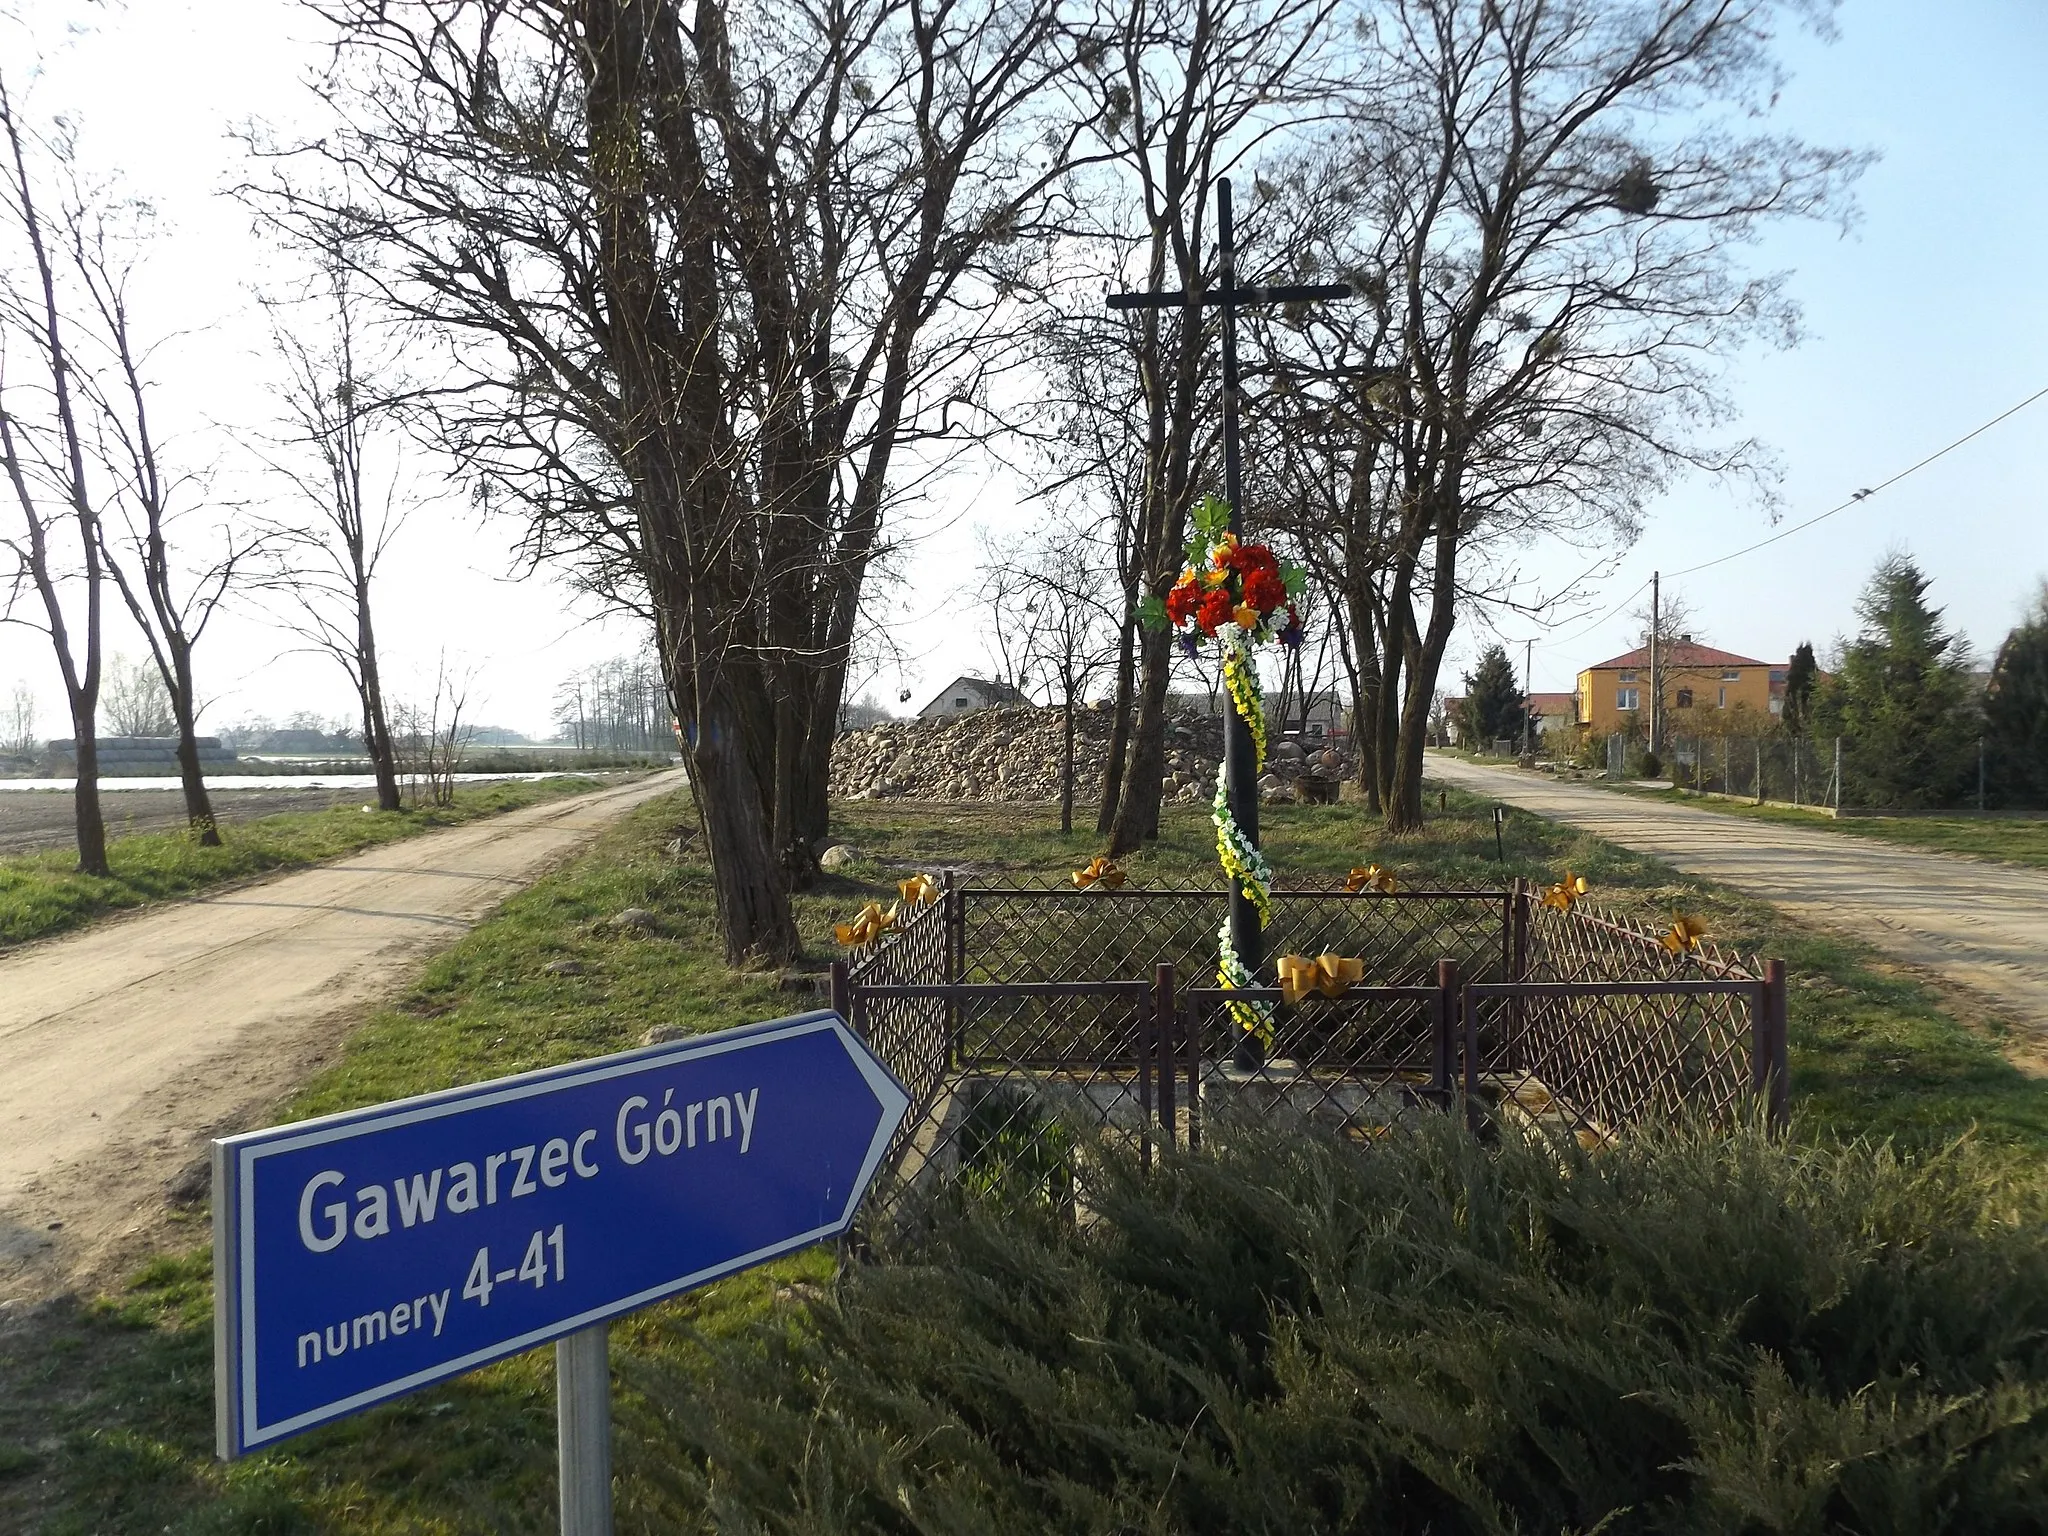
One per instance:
(662,1033)
(837,857)
(636,920)
(193,1182)
(564,967)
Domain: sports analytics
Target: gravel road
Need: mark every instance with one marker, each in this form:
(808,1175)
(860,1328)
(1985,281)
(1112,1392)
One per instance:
(125,1047)
(1980,925)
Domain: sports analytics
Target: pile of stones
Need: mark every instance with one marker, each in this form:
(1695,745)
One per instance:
(1009,755)
(1013,754)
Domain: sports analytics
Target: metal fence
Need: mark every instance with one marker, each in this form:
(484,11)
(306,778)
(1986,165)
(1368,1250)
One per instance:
(1793,770)
(1033,1025)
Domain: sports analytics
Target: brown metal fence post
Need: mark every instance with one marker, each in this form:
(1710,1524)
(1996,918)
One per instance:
(1446,1026)
(1777,1070)
(841,991)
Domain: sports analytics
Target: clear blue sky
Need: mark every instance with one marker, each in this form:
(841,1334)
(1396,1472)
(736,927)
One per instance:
(1925,322)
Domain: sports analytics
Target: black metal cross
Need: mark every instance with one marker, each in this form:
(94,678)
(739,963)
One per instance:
(1241,778)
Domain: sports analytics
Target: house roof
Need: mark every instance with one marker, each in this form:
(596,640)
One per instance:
(1680,653)
(996,692)
(1553,703)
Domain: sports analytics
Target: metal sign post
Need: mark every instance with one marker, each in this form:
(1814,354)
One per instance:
(583,1430)
(366,1255)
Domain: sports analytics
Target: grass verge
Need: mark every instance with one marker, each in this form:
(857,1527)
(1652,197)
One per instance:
(43,893)
(105,1419)
(2000,839)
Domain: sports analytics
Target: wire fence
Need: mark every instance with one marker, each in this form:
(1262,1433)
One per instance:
(1034,1026)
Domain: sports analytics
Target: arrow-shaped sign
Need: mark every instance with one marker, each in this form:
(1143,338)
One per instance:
(365,1255)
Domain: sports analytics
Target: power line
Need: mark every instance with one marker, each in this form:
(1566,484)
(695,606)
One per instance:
(1855,497)
(1867,492)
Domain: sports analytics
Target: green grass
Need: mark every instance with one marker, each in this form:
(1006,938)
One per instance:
(2002,839)
(105,1421)
(43,893)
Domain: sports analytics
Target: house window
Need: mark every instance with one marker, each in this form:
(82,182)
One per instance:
(1624,698)
(959,703)
(1777,674)
(1685,698)
(1731,677)
(1724,698)
(1628,677)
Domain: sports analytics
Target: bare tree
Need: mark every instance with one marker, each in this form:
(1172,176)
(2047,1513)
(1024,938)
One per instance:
(170,596)
(431,738)
(134,700)
(1549,202)
(619,705)
(715,283)
(18,733)
(44,451)
(1053,617)
(324,557)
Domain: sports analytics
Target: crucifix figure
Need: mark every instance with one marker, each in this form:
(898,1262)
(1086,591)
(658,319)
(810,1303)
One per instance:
(1239,753)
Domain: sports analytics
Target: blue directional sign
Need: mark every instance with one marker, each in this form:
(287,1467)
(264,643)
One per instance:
(365,1255)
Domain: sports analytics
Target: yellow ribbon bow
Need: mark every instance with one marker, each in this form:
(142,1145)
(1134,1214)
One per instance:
(1566,891)
(1099,871)
(918,890)
(1331,975)
(1371,877)
(868,925)
(1684,935)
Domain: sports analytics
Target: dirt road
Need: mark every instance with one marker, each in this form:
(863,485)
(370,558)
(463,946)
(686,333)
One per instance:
(1982,926)
(123,1048)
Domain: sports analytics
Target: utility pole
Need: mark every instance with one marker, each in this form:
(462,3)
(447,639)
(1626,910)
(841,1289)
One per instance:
(1528,726)
(1656,667)
(1240,761)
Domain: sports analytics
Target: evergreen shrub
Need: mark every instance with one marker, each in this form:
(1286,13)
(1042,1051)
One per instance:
(1690,1331)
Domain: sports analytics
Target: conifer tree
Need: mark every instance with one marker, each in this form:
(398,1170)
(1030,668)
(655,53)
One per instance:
(2016,712)
(1800,677)
(1493,699)
(1902,700)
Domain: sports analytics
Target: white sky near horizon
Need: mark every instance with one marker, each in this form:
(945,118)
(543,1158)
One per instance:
(1922,324)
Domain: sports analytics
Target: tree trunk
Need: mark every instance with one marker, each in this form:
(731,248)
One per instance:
(1424,655)
(1120,721)
(1067,763)
(191,774)
(747,879)
(85,796)
(1137,812)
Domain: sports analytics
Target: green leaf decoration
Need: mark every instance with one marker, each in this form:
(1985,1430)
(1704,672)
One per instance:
(1293,577)
(1152,612)
(1212,519)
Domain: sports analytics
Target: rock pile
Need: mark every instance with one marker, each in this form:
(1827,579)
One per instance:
(1010,755)
(1014,755)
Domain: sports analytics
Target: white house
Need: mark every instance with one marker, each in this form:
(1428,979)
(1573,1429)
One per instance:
(964,695)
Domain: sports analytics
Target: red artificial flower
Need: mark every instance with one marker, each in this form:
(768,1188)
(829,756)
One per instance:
(1247,558)
(1214,610)
(1180,602)
(1264,590)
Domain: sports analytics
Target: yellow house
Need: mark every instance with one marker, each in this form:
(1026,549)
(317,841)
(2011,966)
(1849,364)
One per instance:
(1703,687)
